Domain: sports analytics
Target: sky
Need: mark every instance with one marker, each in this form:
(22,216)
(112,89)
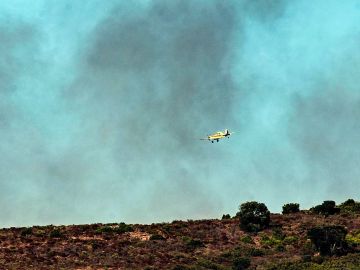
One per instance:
(102,104)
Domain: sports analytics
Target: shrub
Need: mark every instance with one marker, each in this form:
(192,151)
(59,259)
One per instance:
(156,237)
(290,208)
(254,216)
(105,229)
(267,241)
(55,233)
(26,231)
(123,228)
(280,248)
(255,252)
(350,206)
(354,238)
(241,263)
(326,208)
(329,240)
(192,243)
(290,240)
(207,264)
(278,233)
(247,239)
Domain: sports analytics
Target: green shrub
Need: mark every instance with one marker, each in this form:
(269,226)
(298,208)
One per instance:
(241,263)
(207,264)
(348,262)
(280,248)
(326,208)
(353,238)
(270,241)
(329,240)
(193,243)
(26,231)
(55,233)
(278,233)
(104,229)
(290,208)
(123,228)
(156,237)
(254,216)
(350,206)
(290,240)
(247,239)
(255,252)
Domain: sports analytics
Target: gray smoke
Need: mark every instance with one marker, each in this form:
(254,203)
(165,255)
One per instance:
(102,107)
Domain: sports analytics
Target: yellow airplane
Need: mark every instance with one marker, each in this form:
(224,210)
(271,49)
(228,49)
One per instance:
(218,135)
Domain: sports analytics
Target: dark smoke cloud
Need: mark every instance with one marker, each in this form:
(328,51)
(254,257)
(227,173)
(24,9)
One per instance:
(325,129)
(148,81)
(100,122)
(19,139)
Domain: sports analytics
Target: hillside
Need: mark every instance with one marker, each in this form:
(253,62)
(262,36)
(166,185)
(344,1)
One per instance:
(200,244)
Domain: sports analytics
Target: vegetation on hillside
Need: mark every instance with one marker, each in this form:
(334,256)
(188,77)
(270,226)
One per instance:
(325,237)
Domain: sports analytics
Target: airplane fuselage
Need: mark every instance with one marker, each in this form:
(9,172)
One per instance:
(217,136)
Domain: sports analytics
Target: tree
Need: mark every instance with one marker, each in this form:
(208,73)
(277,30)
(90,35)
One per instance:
(253,216)
(329,240)
(226,216)
(290,208)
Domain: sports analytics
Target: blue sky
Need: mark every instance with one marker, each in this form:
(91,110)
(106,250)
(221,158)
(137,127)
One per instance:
(102,105)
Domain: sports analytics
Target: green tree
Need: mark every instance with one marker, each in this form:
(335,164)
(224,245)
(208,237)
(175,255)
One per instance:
(254,216)
(290,208)
(329,240)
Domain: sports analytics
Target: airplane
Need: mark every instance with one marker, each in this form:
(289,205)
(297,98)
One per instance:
(218,135)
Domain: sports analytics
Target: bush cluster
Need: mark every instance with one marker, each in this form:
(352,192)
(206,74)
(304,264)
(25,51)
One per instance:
(350,206)
(121,228)
(326,208)
(290,208)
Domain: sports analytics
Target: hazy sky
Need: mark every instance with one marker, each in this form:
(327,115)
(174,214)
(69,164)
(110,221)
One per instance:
(102,104)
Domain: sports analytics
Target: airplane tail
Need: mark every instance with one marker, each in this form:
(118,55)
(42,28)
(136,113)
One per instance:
(227,132)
